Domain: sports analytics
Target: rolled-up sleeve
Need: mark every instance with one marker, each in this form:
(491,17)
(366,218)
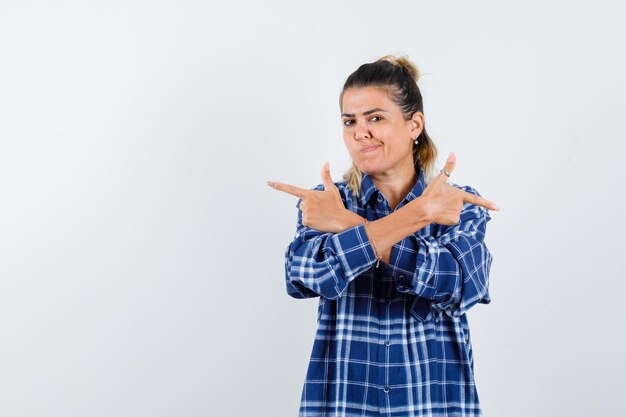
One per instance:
(323,264)
(450,269)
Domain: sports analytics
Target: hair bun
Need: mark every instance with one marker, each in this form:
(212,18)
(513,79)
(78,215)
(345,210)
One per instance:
(404,62)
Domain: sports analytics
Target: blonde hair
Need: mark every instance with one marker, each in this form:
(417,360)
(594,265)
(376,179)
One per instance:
(399,76)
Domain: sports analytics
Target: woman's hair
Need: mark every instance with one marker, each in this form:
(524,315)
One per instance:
(399,77)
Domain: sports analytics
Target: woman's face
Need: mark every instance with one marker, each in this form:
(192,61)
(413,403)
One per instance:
(378,138)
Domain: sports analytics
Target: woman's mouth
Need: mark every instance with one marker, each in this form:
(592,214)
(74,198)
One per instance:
(369,148)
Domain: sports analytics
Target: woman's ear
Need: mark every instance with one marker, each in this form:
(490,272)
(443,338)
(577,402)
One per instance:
(417,124)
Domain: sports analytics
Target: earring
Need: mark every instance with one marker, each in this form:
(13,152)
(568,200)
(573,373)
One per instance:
(416,140)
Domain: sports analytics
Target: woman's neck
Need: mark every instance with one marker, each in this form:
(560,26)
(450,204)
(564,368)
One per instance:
(395,185)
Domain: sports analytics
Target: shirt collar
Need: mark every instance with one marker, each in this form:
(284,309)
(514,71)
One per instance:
(369,189)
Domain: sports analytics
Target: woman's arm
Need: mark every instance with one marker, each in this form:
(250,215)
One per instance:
(321,263)
(324,263)
(393,228)
(452,268)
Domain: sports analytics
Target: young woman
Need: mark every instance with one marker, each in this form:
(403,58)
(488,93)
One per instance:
(396,257)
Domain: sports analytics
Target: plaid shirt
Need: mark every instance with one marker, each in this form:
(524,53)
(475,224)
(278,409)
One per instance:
(392,340)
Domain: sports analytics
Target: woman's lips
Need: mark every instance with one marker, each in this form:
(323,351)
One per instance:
(369,148)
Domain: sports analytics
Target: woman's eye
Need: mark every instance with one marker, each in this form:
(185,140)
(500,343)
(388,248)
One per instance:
(349,122)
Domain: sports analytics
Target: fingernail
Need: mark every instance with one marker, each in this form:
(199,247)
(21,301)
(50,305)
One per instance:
(326,165)
(495,207)
(271,183)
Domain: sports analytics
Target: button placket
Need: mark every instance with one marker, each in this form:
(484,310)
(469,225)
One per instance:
(385,340)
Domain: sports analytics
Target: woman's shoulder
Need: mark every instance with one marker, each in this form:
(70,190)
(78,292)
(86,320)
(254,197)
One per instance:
(470,210)
(472,216)
(341,185)
(467,188)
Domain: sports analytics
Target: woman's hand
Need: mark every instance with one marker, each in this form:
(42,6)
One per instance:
(321,210)
(443,202)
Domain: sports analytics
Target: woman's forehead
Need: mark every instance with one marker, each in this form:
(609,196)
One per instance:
(362,99)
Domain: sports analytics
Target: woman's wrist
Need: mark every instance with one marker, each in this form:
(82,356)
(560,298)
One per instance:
(420,206)
(349,219)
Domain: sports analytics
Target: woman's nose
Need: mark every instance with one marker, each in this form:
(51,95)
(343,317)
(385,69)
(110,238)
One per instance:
(361,133)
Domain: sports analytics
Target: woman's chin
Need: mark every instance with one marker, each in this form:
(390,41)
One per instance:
(368,168)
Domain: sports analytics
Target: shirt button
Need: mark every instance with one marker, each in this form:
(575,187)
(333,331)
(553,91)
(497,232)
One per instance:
(387,342)
(388,302)
(380,198)
(386,388)
(401,278)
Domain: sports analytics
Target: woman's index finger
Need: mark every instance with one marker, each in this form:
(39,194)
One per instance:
(291,189)
(479,201)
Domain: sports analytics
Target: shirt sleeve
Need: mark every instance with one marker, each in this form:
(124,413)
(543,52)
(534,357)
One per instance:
(450,269)
(322,263)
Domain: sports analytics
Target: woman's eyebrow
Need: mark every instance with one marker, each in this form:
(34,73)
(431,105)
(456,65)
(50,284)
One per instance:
(365,113)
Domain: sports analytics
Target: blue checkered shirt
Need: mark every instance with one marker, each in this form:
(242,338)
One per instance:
(392,340)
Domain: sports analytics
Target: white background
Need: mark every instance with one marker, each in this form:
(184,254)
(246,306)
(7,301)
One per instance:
(141,252)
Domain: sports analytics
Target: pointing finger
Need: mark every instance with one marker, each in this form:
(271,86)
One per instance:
(479,201)
(289,189)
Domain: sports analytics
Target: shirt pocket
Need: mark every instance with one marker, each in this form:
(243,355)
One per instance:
(420,308)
